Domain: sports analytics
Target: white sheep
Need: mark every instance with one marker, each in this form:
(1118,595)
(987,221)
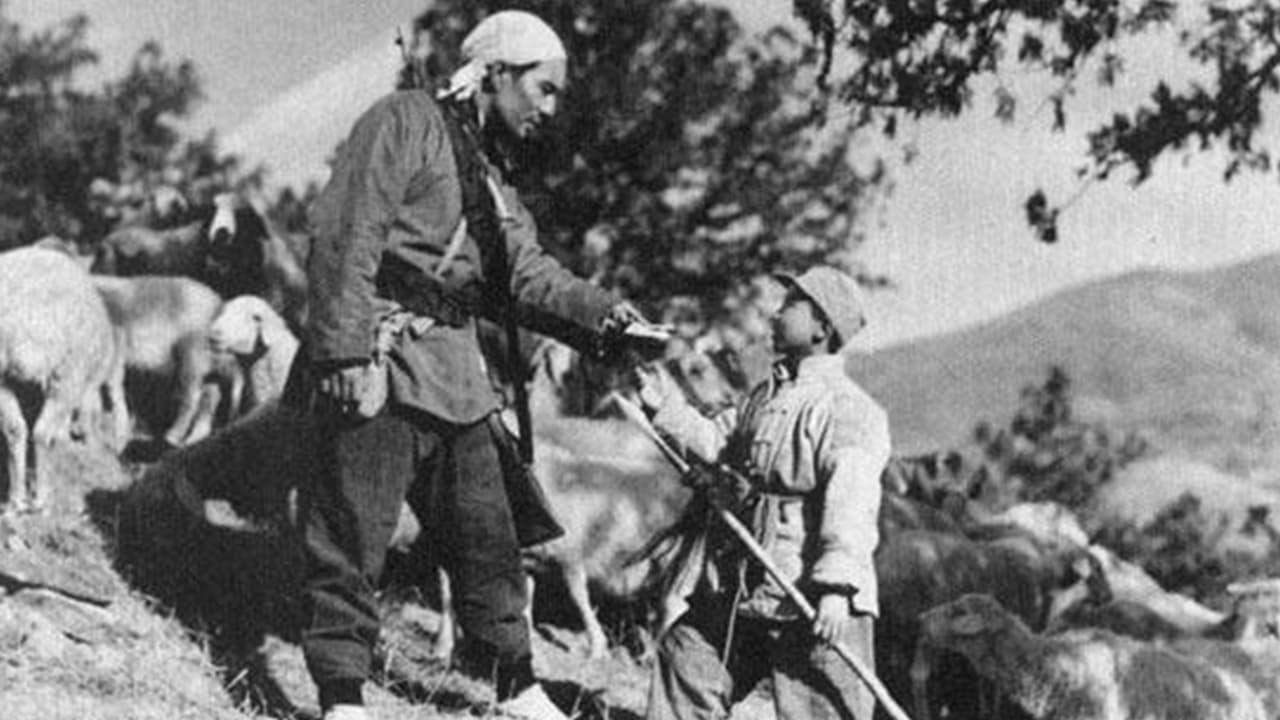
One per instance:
(1131,583)
(612,493)
(605,481)
(611,503)
(250,330)
(1050,522)
(57,348)
(1255,612)
(1254,620)
(1253,624)
(1139,607)
(165,324)
(1089,674)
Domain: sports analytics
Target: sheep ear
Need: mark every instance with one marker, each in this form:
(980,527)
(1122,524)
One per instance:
(261,340)
(1088,566)
(1077,568)
(968,624)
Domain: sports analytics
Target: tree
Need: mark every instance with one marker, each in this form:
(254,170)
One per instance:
(686,158)
(1046,453)
(919,58)
(59,138)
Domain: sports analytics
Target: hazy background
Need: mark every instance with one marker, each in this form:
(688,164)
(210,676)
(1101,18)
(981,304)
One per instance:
(284,81)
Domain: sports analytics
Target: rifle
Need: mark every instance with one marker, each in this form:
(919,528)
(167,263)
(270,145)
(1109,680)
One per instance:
(686,469)
(412,77)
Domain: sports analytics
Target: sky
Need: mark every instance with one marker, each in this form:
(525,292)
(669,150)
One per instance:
(285,81)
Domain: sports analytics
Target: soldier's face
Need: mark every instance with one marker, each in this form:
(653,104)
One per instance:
(526,98)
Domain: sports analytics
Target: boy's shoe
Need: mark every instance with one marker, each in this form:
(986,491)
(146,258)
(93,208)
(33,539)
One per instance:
(346,712)
(531,704)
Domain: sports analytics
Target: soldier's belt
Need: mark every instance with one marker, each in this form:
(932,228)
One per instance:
(423,294)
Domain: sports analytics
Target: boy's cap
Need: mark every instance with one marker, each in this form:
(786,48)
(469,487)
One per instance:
(835,293)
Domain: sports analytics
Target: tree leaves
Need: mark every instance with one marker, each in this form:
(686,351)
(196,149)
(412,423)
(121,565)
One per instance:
(1042,219)
(688,157)
(57,138)
(923,59)
(817,15)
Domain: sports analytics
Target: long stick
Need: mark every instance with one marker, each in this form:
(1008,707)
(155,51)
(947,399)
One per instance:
(636,415)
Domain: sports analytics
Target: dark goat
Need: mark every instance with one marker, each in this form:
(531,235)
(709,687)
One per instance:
(137,250)
(921,569)
(1094,674)
(232,246)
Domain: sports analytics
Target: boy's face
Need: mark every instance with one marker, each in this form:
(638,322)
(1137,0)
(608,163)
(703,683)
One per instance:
(797,326)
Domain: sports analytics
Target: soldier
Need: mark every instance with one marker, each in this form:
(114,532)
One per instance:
(811,446)
(416,234)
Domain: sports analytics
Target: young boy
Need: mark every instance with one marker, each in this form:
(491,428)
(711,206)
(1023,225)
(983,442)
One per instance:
(812,445)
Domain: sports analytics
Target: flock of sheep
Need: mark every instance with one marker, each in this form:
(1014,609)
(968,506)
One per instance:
(73,342)
(191,329)
(984,614)
(1017,614)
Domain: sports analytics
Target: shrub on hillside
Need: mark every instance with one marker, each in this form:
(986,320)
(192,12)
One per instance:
(1046,453)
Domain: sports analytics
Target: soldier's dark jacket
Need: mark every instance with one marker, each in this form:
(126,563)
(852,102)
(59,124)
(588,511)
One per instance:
(394,190)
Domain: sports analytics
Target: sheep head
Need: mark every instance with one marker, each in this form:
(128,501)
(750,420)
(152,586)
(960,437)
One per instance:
(1080,579)
(967,624)
(1255,615)
(223,226)
(244,326)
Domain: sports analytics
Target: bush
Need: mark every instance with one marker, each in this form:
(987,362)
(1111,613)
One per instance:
(1046,454)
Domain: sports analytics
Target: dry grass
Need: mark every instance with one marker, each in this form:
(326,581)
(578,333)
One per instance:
(60,658)
(153,652)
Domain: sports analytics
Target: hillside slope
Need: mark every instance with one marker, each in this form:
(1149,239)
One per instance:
(1190,359)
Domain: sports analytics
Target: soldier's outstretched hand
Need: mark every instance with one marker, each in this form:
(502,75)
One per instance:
(620,316)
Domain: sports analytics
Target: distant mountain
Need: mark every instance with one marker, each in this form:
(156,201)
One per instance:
(1191,359)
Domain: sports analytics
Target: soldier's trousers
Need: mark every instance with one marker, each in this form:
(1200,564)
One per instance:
(349,513)
(810,680)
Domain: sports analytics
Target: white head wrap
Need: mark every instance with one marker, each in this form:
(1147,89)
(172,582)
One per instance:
(512,37)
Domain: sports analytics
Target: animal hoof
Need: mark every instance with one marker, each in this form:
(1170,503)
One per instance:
(442,652)
(17,507)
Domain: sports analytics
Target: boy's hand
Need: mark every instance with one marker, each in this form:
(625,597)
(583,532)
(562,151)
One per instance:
(656,385)
(832,617)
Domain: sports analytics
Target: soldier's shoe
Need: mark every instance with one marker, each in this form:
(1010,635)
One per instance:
(346,712)
(531,704)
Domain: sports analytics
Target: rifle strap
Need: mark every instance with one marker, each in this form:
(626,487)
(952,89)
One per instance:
(480,210)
